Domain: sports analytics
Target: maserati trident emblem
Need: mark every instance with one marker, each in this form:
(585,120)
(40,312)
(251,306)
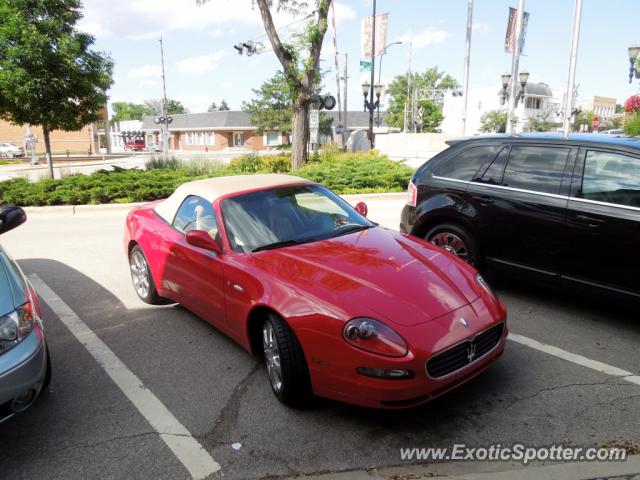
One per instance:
(463,322)
(471,352)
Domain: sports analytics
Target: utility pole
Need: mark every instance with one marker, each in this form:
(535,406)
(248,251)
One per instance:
(345,134)
(406,103)
(568,106)
(373,72)
(514,67)
(164,128)
(467,59)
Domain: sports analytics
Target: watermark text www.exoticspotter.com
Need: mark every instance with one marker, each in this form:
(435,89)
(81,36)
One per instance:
(515,453)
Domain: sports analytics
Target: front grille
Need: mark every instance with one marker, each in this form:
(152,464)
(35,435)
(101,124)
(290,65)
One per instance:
(464,353)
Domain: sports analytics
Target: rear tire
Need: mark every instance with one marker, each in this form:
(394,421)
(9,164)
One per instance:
(286,365)
(142,278)
(457,241)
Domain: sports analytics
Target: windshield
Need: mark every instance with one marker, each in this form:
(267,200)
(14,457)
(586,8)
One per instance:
(287,216)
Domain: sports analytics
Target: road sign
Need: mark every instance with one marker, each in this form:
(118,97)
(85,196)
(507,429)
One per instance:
(314,119)
(365,66)
(596,122)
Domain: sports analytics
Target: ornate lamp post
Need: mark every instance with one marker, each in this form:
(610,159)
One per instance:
(506,78)
(368,91)
(634,51)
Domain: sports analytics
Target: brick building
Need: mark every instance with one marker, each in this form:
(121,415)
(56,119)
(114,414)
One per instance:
(61,141)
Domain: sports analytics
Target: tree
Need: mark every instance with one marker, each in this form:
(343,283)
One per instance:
(619,108)
(218,108)
(271,107)
(495,121)
(585,117)
(172,107)
(431,78)
(213,107)
(49,75)
(541,122)
(128,111)
(223,105)
(300,62)
(429,116)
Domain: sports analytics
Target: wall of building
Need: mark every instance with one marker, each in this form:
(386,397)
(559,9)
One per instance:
(60,141)
(221,140)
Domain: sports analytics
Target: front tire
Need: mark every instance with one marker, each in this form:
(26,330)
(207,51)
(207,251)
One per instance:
(286,366)
(457,241)
(142,278)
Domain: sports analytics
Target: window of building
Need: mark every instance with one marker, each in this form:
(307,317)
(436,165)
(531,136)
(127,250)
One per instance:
(612,178)
(465,164)
(272,139)
(210,138)
(533,103)
(536,168)
(238,139)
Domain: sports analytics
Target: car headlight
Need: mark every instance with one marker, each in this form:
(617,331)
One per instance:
(375,337)
(16,326)
(485,286)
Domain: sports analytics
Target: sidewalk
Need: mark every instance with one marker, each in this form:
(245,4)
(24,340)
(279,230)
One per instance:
(628,470)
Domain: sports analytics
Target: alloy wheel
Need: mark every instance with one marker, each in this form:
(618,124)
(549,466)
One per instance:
(452,243)
(272,356)
(140,274)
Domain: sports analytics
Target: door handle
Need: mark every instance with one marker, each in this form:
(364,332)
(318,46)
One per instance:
(591,221)
(484,200)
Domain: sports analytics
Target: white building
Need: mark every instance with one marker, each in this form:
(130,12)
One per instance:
(538,100)
(602,107)
(115,131)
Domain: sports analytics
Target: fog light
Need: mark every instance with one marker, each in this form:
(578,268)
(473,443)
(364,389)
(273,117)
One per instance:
(391,374)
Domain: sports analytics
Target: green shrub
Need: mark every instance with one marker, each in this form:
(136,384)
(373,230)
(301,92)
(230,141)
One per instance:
(632,126)
(162,164)
(278,164)
(247,163)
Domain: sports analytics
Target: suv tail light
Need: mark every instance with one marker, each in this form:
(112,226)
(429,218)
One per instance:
(412,191)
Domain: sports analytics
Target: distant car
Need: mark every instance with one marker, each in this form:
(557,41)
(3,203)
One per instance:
(25,366)
(134,145)
(154,147)
(613,131)
(9,150)
(566,211)
(338,306)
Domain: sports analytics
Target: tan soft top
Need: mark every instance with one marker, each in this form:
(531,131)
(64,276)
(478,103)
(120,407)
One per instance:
(213,188)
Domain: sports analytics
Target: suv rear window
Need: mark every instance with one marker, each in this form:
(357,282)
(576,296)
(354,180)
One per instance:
(465,164)
(536,168)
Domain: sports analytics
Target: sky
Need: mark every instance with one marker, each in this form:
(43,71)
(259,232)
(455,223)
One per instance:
(202,66)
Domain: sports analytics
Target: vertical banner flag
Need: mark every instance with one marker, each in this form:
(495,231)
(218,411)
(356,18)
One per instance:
(510,38)
(381,34)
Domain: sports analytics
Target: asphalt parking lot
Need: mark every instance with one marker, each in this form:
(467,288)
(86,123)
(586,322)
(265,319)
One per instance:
(87,426)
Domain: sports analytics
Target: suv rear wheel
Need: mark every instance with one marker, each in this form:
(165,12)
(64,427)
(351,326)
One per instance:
(455,240)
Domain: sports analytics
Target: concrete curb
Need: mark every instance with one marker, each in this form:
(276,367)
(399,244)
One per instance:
(119,207)
(630,469)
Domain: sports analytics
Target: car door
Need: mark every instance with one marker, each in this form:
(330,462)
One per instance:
(604,219)
(519,202)
(194,274)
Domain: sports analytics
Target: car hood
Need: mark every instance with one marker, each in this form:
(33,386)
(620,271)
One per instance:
(376,272)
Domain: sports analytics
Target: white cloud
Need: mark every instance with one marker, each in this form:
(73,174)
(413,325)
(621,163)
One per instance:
(149,83)
(344,12)
(145,71)
(480,27)
(201,63)
(145,19)
(425,38)
(195,103)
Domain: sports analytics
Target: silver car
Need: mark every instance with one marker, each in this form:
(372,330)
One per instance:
(9,150)
(25,366)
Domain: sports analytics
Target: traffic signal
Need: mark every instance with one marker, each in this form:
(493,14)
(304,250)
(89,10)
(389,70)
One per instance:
(323,103)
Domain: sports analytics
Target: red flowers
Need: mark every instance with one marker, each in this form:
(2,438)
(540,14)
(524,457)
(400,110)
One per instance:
(632,104)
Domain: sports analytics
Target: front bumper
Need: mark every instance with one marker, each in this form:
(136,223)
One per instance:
(336,377)
(23,368)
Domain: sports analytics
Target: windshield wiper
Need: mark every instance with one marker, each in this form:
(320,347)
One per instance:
(349,228)
(284,243)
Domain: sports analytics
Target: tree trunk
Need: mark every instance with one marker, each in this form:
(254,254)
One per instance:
(47,146)
(300,134)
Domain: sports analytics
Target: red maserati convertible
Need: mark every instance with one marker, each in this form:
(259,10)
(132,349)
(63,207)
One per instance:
(338,306)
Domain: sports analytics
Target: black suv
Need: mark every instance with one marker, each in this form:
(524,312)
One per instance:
(562,209)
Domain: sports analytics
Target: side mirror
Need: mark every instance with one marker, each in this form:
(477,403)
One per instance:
(202,239)
(362,209)
(11,217)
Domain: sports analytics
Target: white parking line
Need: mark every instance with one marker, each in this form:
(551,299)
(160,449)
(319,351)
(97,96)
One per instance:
(186,448)
(577,359)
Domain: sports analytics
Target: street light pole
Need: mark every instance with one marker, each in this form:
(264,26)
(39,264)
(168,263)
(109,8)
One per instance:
(467,59)
(373,71)
(568,106)
(164,133)
(514,66)
(406,103)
